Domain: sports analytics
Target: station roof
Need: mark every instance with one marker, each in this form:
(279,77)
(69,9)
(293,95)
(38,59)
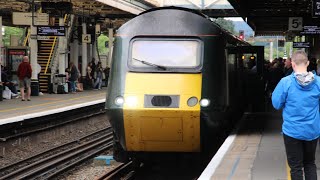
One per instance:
(94,8)
(271,17)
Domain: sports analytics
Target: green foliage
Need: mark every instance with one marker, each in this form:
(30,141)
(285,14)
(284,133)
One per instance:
(101,44)
(226,24)
(12,31)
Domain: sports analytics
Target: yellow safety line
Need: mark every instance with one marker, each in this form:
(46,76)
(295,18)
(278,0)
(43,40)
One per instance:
(6,110)
(288,171)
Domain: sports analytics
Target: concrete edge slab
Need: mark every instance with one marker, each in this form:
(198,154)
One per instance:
(218,157)
(53,111)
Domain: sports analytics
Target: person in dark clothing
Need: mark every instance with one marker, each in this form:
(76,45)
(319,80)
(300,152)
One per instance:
(73,77)
(287,67)
(107,72)
(275,76)
(312,65)
(93,68)
(6,82)
(24,73)
(98,76)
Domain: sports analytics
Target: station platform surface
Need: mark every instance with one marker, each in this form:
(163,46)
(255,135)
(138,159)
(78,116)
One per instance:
(254,151)
(14,110)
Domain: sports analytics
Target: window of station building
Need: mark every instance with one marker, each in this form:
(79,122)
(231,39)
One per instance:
(173,53)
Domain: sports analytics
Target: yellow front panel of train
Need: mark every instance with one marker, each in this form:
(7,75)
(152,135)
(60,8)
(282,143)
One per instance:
(162,129)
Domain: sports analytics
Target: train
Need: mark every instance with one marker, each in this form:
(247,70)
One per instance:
(173,87)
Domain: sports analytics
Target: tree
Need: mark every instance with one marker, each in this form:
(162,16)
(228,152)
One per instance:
(102,39)
(226,24)
(8,31)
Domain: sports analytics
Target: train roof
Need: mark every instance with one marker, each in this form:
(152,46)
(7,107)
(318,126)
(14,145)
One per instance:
(188,22)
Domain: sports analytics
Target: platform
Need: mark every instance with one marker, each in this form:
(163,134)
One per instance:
(254,151)
(15,110)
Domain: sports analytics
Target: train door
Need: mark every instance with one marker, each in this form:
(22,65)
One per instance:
(246,76)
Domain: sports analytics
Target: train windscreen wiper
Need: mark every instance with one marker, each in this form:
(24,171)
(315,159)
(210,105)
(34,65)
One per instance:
(151,64)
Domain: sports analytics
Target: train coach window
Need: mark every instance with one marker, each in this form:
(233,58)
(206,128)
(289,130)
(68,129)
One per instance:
(166,53)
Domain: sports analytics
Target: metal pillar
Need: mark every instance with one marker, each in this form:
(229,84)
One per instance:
(110,46)
(1,58)
(90,53)
(34,61)
(62,50)
(271,51)
(84,53)
(94,50)
(75,53)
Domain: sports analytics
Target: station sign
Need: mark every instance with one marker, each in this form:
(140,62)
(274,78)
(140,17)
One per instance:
(86,38)
(295,24)
(51,31)
(21,18)
(316,8)
(98,29)
(310,30)
(43,38)
(301,44)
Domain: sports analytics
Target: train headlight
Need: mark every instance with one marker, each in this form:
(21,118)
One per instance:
(192,101)
(204,102)
(131,101)
(119,101)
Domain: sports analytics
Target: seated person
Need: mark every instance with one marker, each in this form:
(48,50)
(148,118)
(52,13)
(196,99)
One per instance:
(6,82)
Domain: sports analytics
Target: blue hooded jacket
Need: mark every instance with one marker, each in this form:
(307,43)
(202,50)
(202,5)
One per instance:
(300,105)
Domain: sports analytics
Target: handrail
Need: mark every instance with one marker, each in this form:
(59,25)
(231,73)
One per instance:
(26,38)
(53,45)
(52,48)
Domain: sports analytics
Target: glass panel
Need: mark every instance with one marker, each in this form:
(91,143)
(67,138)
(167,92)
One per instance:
(172,53)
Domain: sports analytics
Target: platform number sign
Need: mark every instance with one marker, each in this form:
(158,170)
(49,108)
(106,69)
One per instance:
(316,8)
(295,24)
(86,38)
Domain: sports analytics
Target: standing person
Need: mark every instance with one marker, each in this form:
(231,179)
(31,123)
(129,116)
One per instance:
(73,77)
(298,94)
(93,68)
(89,78)
(99,71)
(287,67)
(24,73)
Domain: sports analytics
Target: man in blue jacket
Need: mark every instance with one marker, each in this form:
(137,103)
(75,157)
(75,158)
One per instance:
(298,94)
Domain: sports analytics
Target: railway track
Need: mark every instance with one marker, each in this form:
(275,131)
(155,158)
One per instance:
(122,171)
(53,162)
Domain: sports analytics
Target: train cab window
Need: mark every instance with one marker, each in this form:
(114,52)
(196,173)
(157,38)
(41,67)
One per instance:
(165,54)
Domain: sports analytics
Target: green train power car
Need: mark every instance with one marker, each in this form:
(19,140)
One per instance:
(170,83)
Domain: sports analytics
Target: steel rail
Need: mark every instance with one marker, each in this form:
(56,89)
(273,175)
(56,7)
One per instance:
(46,165)
(25,162)
(118,171)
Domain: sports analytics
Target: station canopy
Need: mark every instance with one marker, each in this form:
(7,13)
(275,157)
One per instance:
(113,9)
(271,17)
(266,17)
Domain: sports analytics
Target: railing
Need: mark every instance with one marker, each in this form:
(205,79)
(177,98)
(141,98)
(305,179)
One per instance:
(26,38)
(52,48)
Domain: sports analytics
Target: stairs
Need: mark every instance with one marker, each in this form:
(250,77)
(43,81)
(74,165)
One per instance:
(45,51)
